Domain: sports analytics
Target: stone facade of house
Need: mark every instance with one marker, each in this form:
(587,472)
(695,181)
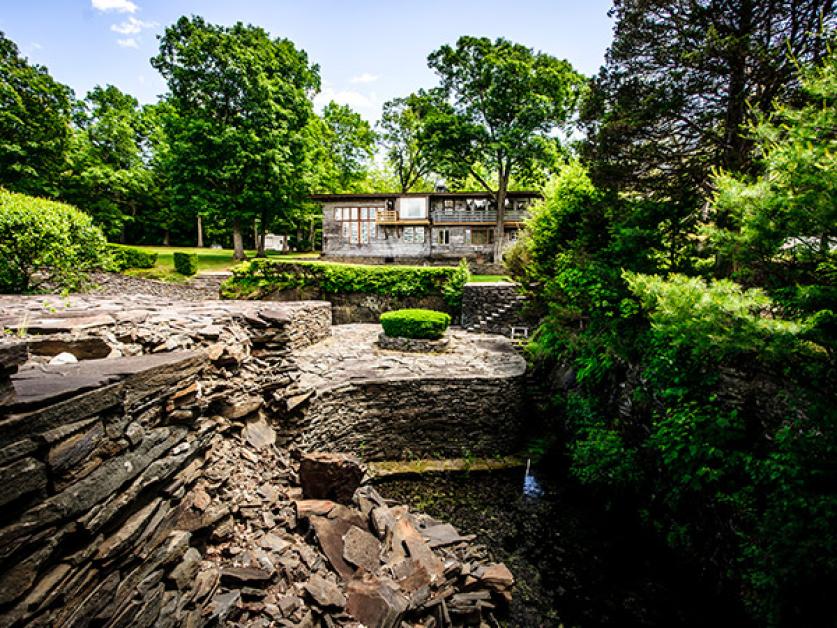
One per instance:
(417,228)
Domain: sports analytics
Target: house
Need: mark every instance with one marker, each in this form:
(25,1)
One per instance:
(417,227)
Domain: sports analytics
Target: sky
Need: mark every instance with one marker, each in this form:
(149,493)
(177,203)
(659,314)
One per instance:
(369,51)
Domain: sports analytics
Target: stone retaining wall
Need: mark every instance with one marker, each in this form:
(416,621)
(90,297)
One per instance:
(428,418)
(95,457)
(353,396)
(493,308)
(357,307)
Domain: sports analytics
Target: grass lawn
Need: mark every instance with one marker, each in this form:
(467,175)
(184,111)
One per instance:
(486,278)
(211,259)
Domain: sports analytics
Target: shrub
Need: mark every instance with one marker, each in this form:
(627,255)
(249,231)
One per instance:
(125,257)
(453,288)
(415,323)
(257,278)
(44,242)
(186,263)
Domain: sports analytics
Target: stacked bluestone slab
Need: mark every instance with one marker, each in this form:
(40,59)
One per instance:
(146,488)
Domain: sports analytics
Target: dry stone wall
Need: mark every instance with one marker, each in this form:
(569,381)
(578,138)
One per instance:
(143,484)
(356,396)
(493,308)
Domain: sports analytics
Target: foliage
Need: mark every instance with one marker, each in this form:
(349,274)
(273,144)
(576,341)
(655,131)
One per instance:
(415,323)
(779,229)
(496,110)
(400,131)
(453,288)
(680,82)
(705,403)
(34,124)
(185,263)
(45,243)
(241,107)
(108,176)
(259,277)
(124,257)
(344,144)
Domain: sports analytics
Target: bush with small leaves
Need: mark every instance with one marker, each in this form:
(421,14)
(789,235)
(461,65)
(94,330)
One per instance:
(185,263)
(45,243)
(415,323)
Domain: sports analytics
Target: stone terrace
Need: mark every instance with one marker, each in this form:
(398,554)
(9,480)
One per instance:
(392,405)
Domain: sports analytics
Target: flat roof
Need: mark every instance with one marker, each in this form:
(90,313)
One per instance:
(372,197)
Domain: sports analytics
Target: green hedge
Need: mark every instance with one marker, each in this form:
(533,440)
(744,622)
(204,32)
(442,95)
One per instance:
(45,244)
(185,263)
(415,323)
(125,257)
(260,277)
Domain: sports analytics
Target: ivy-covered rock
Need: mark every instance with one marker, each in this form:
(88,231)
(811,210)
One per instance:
(258,278)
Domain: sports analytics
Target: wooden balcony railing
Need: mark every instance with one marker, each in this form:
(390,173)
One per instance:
(475,216)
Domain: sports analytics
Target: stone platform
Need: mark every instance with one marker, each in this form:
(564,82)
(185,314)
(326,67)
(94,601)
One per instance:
(352,395)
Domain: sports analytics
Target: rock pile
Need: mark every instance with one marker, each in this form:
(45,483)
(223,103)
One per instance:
(278,558)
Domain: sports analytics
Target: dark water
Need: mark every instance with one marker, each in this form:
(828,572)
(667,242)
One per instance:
(575,565)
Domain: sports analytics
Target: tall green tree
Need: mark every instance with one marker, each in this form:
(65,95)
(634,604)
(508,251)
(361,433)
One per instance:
(343,148)
(35,124)
(399,135)
(109,175)
(499,106)
(681,81)
(243,101)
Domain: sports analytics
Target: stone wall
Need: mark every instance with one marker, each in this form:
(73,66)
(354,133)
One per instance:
(95,459)
(352,395)
(493,308)
(427,418)
(357,307)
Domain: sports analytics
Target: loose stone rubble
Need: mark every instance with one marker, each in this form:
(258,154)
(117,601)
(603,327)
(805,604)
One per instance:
(150,486)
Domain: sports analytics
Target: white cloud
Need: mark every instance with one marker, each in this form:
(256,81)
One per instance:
(117,6)
(366,77)
(354,99)
(35,45)
(131,26)
(128,42)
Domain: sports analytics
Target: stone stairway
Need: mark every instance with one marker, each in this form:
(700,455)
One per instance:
(494,308)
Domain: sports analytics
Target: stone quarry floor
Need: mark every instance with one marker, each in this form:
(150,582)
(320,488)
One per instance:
(351,354)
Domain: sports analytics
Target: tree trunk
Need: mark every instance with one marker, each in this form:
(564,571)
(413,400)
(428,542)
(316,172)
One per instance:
(311,233)
(166,238)
(238,241)
(200,231)
(260,236)
(499,226)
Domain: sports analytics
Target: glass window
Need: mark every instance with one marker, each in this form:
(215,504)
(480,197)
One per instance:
(413,208)
(482,236)
(419,234)
(338,213)
(442,236)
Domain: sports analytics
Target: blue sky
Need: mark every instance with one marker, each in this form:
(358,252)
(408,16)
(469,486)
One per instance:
(368,51)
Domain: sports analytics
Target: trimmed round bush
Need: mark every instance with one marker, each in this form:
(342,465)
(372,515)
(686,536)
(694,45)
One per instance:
(185,263)
(415,323)
(45,242)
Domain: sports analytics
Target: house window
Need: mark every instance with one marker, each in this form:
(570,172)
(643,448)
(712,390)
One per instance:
(442,236)
(414,234)
(413,208)
(482,236)
(357,224)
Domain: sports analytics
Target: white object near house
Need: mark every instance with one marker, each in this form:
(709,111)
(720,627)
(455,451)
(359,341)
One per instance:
(275,242)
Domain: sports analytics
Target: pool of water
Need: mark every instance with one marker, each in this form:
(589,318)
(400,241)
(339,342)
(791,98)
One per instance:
(574,563)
